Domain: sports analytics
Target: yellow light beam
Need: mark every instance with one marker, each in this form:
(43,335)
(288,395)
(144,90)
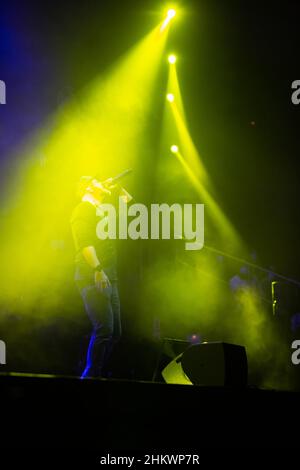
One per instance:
(101,131)
(186,143)
(212,208)
(173,87)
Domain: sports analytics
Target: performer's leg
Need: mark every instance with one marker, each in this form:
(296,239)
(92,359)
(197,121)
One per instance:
(117,330)
(99,309)
(115,303)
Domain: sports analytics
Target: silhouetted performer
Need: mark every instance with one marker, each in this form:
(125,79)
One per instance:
(96,273)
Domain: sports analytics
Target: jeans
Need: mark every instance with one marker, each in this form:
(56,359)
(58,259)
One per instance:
(103,310)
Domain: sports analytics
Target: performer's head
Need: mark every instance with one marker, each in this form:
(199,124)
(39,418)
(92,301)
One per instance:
(88,185)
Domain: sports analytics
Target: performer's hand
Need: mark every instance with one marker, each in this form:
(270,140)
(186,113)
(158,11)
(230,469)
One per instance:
(100,189)
(108,184)
(123,194)
(101,280)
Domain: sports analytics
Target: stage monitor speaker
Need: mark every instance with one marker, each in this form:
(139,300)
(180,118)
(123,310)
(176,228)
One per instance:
(167,350)
(209,364)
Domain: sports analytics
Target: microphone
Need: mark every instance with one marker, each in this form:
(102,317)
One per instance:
(117,177)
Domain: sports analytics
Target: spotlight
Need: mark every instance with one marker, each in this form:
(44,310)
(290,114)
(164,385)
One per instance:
(171,13)
(170,97)
(174,149)
(172,59)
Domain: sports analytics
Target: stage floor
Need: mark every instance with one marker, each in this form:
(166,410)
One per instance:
(66,412)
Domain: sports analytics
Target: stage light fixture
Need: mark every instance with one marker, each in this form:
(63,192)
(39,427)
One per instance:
(171,13)
(174,149)
(214,364)
(170,97)
(172,59)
